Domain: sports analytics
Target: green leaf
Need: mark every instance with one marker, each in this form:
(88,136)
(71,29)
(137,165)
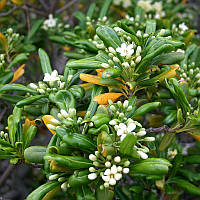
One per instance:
(105,8)
(105,194)
(45,62)
(150,26)
(186,186)
(127,146)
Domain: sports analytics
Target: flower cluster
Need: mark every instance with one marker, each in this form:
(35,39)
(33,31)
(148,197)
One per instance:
(110,169)
(156,7)
(2,61)
(60,177)
(190,74)
(124,125)
(64,119)
(49,23)
(54,82)
(52,24)
(124,3)
(180,29)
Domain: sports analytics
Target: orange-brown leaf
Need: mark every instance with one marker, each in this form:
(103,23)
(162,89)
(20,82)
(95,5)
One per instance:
(102,99)
(18,73)
(2,4)
(47,120)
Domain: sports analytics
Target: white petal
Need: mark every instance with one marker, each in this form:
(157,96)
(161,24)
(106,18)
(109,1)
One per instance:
(130,46)
(107,172)
(123,46)
(122,126)
(112,181)
(118,176)
(106,178)
(113,169)
(122,137)
(131,127)
(120,132)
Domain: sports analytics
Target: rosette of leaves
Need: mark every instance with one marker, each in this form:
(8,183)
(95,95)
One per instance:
(128,58)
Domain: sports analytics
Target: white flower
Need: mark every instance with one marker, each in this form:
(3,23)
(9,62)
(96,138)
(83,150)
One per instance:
(111,176)
(145,4)
(92,176)
(51,77)
(123,130)
(51,22)
(142,154)
(125,50)
(183,27)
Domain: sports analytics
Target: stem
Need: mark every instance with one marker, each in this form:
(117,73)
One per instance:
(6,173)
(161,129)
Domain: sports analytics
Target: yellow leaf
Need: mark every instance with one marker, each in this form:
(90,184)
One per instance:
(18,2)
(47,120)
(90,78)
(4,42)
(27,124)
(189,37)
(167,74)
(100,71)
(18,73)
(2,4)
(102,99)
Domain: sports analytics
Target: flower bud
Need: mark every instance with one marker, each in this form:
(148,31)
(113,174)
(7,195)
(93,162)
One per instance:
(64,113)
(92,169)
(92,176)
(107,164)
(149,139)
(126,170)
(105,65)
(52,127)
(127,163)
(117,159)
(92,157)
